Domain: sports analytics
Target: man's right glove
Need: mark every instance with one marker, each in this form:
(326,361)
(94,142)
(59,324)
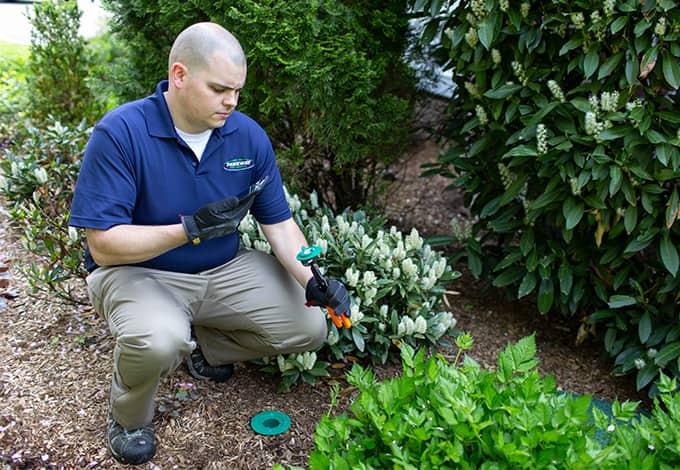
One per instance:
(220,218)
(335,296)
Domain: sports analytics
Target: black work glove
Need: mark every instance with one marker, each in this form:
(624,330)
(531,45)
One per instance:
(220,218)
(335,296)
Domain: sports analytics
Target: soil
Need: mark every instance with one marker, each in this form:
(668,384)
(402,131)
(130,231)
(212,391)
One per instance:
(56,368)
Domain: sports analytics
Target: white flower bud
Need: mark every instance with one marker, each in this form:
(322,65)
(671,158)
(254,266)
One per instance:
(611,428)
(332,337)
(640,363)
(314,200)
(352,277)
(384,310)
(396,273)
(481,115)
(73,234)
(40,175)
(496,56)
(420,325)
(413,241)
(369,279)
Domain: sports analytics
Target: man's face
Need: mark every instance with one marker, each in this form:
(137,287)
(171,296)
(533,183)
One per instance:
(210,94)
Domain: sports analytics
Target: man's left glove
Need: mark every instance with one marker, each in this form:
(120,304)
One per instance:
(335,296)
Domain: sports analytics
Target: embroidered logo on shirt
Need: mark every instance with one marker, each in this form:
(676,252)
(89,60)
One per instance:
(238,164)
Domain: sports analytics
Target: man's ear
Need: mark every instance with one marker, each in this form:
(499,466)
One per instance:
(178,74)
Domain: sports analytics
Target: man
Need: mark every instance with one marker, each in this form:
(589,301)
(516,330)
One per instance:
(164,183)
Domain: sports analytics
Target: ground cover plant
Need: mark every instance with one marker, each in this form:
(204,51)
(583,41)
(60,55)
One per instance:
(567,135)
(460,415)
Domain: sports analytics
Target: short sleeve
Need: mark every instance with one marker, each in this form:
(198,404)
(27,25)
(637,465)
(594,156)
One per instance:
(105,191)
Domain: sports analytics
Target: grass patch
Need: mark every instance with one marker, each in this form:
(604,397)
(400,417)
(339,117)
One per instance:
(12,51)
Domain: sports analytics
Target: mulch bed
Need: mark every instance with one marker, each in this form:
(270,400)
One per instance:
(57,359)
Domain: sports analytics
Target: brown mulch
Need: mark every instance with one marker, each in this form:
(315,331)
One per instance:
(56,368)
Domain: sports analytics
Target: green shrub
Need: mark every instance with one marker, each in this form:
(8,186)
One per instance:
(58,67)
(566,145)
(396,283)
(442,415)
(325,78)
(13,93)
(37,179)
(439,415)
(651,441)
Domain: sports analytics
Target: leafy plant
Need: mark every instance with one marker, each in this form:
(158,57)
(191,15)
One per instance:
(58,65)
(441,415)
(652,441)
(325,79)
(566,144)
(37,179)
(396,283)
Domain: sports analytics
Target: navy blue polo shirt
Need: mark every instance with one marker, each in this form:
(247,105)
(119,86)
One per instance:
(137,170)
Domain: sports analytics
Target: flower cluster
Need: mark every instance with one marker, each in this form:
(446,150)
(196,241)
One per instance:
(577,20)
(599,27)
(556,91)
(507,177)
(496,56)
(608,7)
(660,28)
(395,280)
(504,5)
(478,8)
(461,229)
(481,115)
(541,139)
(471,37)
(524,9)
(472,89)
(593,126)
(609,101)
(519,72)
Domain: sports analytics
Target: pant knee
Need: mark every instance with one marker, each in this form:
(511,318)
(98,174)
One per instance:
(154,353)
(310,335)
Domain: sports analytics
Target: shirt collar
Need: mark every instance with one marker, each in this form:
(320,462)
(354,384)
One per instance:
(159,121)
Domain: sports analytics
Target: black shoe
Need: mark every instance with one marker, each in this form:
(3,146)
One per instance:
(130,447)
(200,369)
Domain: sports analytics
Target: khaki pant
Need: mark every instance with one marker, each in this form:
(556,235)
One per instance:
(247,308)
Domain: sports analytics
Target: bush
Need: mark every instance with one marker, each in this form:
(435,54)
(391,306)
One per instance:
(441,415)
(438,415)
(37,179)
(566,145)
(325,79)
(58,66)
(13,96)
(396,283)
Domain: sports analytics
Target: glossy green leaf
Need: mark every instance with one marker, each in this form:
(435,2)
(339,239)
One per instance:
(669,255)
(668,352)
(619,301)
(566,278)
(645,376)
(503,91)
(527,285)
(644,327)
(618,24)
(486,32)
(630,219)
(671,69)
(573,212)
(546,295)
(590,63)
(615,177)
(609,65)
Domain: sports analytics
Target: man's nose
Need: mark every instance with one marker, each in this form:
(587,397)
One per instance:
(230,98)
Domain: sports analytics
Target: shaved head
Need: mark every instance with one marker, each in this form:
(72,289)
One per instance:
(196,45)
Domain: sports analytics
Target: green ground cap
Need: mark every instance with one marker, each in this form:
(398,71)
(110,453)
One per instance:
(311,252)
(270,423)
